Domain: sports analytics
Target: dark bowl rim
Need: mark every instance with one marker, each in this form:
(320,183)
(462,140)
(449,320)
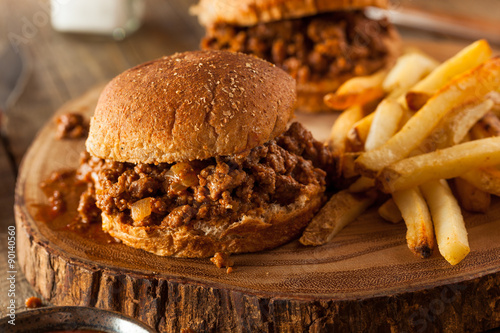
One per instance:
(29,313)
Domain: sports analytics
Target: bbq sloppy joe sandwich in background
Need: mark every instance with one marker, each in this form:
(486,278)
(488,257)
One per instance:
(319,43)
(193,154)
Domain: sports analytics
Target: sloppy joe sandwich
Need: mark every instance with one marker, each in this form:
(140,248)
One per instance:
(193,154)
(319,43)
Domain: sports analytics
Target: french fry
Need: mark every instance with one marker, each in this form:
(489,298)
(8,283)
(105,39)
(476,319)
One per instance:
(495,97)
(449,225)
(348,160)
(473,84)
(491,123)
(485,179)
(414,100)
(357,91)
(342,208)
(420,233)
(470,197)
(359,131)
(445,163)
(338,135)
(455,125)
(496,110)
(385,123)
(436,122)
(409,69)
(487,126)
(362,184)
(458,123)
(344,122)
(390,212)
(468,58)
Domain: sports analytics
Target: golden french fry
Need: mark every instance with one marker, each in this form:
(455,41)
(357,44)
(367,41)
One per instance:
(362,184)
(354,143)
(385,123)
(390,212)
(338,135)
(420,233)
(473,84)
(445,163)
(461,121)
(455,125)
(495,97)
(468,58)
(357,91)
(491,123)
(487,126)
(342,125)
(470,197)
(409,69)
(359,131)
(485,179)
(449,225)
(348,169)
(496,110)
(342,208)
(416,99)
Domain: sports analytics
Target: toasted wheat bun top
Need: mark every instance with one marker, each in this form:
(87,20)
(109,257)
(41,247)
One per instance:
(191,105)
(251,12)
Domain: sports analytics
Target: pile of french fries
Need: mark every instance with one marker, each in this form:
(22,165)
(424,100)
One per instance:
(422,139)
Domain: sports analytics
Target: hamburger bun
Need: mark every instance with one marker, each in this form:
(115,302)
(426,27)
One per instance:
(189,107)
(251,12)
(192,105)
(251,233)
(321,44)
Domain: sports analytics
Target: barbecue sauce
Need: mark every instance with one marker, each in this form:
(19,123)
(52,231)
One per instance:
(63,191)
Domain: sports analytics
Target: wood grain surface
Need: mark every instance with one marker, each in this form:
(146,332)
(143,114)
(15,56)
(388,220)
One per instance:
(365,280)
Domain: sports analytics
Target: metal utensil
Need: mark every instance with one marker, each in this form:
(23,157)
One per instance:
(13,78)
(464,27)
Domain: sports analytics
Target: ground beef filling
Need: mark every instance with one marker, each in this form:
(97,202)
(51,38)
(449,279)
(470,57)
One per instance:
(311,48)
(172,195)
(71,126)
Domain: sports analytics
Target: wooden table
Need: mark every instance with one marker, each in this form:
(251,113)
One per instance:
(65,66)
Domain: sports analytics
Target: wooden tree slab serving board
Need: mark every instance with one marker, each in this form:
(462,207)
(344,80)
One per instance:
(365,280)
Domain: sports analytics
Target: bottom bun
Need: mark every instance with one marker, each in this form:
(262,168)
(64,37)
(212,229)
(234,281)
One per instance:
(252,233)
(310,95)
